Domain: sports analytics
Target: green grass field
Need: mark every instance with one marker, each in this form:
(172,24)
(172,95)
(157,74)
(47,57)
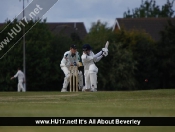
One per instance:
(150,103)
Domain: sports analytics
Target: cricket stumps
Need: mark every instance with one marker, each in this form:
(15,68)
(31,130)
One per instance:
(73,79)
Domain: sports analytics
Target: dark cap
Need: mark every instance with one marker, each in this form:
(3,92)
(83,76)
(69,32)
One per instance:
(73,46)
(86,47)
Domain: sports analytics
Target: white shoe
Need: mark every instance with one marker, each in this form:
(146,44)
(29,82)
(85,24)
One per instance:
(93,89)
(80,87)
(63,90)
(85,89)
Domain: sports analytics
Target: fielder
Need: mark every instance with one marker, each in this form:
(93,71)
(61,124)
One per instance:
(70,58)
(89,59)
(21,80)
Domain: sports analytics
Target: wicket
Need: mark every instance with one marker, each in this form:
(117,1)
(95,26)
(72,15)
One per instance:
(73,78)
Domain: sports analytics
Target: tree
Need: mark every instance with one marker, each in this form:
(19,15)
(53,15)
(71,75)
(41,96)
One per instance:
(38,43)
(59,45)
(143,52)
(10,62)
(116,71)
(44,52)
(121,74)
(150,9)
(166,57)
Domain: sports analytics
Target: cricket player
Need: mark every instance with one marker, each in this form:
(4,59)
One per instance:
(21,80)
(70,58)
(90,70)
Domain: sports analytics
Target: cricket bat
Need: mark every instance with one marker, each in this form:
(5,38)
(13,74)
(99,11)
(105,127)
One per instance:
(106,45)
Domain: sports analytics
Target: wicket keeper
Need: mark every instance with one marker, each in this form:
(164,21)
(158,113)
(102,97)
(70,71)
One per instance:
(70,58)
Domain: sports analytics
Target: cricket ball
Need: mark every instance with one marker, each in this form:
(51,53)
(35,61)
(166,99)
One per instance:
(146,80)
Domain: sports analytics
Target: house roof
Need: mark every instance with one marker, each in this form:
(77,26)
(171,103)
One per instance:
(152,26)
(66,28)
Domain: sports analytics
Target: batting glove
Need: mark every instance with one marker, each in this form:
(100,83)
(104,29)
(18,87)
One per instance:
(104,49)
(105,53)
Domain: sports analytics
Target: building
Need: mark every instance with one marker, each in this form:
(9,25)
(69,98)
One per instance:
(152,26)
(66,28)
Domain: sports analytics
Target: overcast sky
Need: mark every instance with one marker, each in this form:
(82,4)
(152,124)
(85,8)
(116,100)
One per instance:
(86,11)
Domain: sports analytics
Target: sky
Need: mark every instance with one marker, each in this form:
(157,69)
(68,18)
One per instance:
(87,11)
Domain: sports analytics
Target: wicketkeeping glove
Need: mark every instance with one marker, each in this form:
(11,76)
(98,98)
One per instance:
(75,64)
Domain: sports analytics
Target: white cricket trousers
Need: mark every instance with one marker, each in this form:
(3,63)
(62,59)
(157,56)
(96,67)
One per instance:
(67,76)
(20,86)
(91,77)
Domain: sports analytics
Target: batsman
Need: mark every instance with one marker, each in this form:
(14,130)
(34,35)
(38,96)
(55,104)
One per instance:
(90,69)
(70,58)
